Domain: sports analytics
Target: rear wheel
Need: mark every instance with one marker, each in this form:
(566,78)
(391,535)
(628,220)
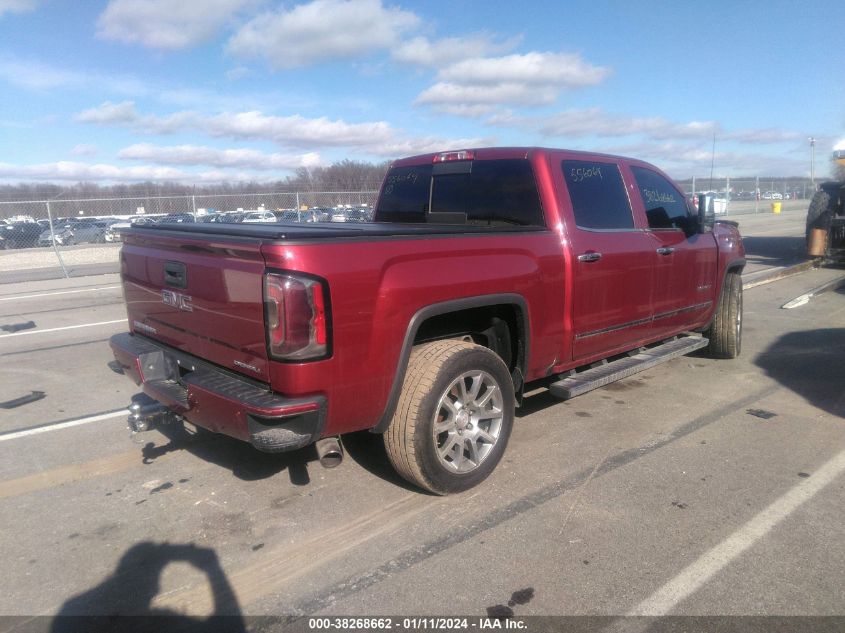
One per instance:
(454,416)
(725,332)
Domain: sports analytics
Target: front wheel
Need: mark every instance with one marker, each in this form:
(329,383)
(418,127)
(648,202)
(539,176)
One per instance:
(454,417)
(725,332)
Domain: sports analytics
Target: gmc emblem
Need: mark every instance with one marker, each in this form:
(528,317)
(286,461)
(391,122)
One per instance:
(177,300)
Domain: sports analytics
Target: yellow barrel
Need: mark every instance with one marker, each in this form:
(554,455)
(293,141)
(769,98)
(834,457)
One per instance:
(776,207)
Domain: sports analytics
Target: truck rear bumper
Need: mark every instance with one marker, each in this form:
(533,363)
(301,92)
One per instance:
(217,400)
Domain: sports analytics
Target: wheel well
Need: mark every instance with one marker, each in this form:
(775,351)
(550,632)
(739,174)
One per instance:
(499,328)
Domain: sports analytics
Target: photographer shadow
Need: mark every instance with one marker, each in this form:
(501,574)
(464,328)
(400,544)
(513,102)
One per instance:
(809,363)
(124,601)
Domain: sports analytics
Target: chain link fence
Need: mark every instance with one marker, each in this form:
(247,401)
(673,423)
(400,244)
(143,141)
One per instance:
(738,196)
(81,236)
(75,236)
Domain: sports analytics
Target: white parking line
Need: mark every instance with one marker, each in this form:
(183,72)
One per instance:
(696,575)
(62,425)
(67,327)
(60,292)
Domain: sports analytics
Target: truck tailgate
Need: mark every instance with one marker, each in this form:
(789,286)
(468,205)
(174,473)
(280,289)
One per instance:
(203,297)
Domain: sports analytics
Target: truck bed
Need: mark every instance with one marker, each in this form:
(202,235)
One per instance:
(317,231)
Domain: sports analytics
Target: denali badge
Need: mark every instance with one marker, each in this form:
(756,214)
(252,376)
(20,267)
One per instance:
(177,300)
(144,327)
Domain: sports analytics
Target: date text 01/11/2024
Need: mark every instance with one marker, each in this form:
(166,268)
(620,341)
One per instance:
(415,624)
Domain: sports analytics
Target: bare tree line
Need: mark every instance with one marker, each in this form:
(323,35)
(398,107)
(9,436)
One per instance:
(346,175)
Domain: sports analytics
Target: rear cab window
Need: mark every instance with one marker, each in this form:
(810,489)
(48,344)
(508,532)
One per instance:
(482,192)
(598,196)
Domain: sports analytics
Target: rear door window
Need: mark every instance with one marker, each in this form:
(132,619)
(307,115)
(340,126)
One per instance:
(665,206)
(598,196)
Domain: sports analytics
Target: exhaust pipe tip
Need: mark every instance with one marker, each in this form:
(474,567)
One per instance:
(329,452)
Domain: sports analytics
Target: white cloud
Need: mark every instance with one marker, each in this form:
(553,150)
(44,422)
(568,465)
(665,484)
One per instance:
(427,144)
(125,114)
(296,130)
(535,69)
(110,113)
(473,86)
(84,149)
(68,170)
(17,6)
(376,138)
(596,122)
(290,131)
(165,24)
(840,145)
(198,155)
(239,72)
(36,76)
(33,75)
(473,100)
(321,30)
(764,136)
(422,51)
(104,173)
(685,160)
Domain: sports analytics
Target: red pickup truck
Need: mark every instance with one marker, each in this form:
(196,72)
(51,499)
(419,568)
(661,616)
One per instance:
(485,272)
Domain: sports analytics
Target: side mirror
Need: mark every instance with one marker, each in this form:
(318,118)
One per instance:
(706,212)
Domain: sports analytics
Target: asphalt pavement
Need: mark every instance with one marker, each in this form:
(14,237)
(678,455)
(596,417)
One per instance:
(700,487)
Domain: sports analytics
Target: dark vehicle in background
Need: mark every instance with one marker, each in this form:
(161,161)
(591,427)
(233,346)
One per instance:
(75,232)
(175,218)
(19,234)
(209,217)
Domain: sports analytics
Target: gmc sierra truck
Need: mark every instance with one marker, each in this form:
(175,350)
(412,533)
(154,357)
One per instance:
(485,272)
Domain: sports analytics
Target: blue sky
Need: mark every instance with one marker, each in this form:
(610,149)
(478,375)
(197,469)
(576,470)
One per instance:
(213,90)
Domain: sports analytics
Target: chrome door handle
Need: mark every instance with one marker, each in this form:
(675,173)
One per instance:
(590,256)
(665,250)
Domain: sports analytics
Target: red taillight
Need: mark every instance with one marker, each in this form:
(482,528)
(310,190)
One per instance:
(446,157)
(296,321)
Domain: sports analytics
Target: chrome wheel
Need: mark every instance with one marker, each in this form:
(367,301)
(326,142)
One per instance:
(468,421)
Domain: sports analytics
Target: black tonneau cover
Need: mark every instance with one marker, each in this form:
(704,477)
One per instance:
(316,231)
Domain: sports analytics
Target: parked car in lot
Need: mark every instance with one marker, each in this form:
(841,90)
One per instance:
(75,232)
(113,231)
(252,217)
(214,216)
(350,214)
(175,218)
(292,215)
(19,234)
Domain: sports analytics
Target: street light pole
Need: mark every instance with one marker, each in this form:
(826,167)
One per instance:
(813,162)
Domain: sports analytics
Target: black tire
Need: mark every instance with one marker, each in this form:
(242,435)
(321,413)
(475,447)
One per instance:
(819,214)
(435,372)
(725,333)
